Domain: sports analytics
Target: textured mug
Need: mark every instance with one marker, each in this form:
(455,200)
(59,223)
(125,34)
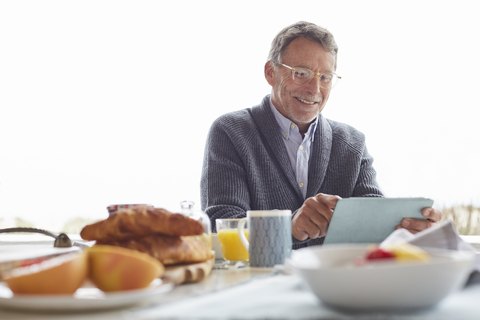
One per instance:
(270,235)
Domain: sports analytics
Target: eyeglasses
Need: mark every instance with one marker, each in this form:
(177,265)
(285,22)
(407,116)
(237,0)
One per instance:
(303,76)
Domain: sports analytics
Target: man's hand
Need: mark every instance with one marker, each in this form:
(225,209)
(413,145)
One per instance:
(313,217)
(416,225)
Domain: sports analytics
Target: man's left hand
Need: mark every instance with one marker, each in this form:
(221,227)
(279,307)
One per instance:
(417,225)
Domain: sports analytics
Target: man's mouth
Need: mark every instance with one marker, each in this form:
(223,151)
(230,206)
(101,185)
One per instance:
(306,101)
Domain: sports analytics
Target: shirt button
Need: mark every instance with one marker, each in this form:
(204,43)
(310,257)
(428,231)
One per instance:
(286,134)
(301,148)
(292,126)
(301,184)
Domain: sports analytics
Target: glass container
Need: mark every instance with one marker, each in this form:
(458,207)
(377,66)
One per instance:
(187,208)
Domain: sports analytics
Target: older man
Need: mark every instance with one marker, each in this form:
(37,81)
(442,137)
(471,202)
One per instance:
(283,154)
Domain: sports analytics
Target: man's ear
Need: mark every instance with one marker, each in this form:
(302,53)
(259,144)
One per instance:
(269,72)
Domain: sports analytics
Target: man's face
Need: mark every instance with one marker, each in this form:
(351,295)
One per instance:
(300,103)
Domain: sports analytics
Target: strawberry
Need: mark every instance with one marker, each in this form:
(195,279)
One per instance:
(379,254)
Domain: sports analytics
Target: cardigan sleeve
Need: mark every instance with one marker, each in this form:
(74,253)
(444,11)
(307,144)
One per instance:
(224,189)
(367,185)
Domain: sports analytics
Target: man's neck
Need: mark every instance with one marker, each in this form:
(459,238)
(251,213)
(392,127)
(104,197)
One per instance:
(303,128)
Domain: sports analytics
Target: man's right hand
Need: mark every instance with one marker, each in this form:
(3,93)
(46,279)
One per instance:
(313,217)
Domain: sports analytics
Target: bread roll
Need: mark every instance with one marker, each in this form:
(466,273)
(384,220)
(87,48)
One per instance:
(141,221)
(167,249)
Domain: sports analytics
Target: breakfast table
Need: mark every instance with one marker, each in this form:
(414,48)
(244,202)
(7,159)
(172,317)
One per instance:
(241,292)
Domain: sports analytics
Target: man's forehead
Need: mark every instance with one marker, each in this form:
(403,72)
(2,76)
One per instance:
(309,54)
(302,42)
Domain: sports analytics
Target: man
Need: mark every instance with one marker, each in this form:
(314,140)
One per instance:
(283,154)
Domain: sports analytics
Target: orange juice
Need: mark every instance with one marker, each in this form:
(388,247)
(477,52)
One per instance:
(232,247)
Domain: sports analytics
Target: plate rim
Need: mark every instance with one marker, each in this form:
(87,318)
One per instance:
(113,300)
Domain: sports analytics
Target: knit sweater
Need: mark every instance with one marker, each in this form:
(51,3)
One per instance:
(246,166)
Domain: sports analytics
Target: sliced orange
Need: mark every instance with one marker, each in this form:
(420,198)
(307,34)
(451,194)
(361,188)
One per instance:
(63,274)
(406,252)
(114,268)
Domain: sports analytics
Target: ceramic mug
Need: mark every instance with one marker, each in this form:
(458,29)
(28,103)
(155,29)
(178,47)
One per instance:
(270,235)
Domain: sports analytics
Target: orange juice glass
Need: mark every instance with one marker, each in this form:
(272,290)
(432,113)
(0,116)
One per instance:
(232,248)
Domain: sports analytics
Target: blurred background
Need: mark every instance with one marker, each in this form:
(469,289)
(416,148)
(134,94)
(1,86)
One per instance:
(107,102)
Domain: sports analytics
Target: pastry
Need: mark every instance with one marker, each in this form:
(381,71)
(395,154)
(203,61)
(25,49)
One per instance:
(141,221)
(167,249)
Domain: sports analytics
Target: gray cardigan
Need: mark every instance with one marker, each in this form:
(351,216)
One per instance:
(246,166)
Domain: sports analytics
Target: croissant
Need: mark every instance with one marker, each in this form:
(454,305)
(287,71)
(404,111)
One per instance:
(167,249)
(140,221)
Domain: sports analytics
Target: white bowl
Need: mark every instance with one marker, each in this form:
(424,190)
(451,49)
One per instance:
(330,273)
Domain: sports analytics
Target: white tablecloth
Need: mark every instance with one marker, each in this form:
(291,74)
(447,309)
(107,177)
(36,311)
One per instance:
(286,297)
(269,297)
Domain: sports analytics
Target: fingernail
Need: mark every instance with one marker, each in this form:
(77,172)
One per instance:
(426,213)
(406,223)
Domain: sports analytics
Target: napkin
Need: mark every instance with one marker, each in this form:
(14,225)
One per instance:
(441,236)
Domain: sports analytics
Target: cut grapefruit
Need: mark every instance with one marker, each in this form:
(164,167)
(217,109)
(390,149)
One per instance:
(114,268)
(406,252)
(63,274)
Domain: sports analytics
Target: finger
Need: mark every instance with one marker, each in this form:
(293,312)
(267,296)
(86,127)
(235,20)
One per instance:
(317,218)
(328,200)
(405,225)
(324,209)
(299,233)
(432,214)
(313,230)
(326,205)
(301,220)
(416,225)
(311,220)
(303,228)
(313,217)
(402,227)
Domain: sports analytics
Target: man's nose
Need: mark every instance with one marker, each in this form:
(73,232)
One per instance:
(314,84)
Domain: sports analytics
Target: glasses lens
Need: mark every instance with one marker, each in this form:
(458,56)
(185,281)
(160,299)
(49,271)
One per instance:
(302,75)
(330,80)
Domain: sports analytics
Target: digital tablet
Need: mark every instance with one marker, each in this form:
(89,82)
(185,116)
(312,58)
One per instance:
(371,220)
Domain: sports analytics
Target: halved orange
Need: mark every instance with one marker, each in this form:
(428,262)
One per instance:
(63,274)
(406,252)
(114,268)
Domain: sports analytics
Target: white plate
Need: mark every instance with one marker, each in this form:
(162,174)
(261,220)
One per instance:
(85,298)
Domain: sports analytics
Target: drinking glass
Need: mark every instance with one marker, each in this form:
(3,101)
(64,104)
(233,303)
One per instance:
(233,250)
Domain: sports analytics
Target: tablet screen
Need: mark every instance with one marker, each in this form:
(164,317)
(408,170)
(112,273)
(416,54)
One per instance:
(371,220)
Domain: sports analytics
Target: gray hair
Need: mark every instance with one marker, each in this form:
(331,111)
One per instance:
(309,31)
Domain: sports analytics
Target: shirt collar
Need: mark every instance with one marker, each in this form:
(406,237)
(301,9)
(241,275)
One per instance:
(287,126)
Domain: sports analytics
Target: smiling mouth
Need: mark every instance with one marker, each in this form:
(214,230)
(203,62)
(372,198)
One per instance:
(306,101)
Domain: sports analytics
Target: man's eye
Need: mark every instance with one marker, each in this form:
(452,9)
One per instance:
(302,73)
(326,77)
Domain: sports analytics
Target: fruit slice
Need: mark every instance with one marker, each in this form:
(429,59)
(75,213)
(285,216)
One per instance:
(408,252)
(378,253)
(59,275)
(114,268)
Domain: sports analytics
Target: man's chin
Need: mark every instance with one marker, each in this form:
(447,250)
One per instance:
(307,117)
(305,120)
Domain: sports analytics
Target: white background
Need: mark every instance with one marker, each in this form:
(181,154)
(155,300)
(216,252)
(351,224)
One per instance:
(106,102)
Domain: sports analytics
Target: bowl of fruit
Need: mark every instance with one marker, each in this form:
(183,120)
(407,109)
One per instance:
(397,276)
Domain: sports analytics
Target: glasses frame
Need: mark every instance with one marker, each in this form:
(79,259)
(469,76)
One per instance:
(318,74)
